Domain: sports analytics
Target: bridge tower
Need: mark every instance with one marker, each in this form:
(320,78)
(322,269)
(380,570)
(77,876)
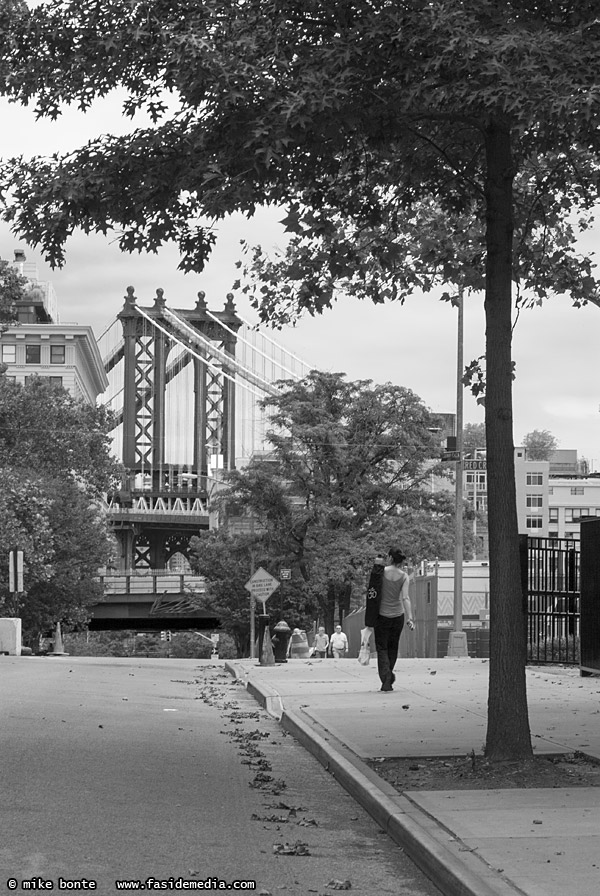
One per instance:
(163,499)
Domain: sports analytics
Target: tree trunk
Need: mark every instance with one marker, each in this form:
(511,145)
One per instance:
(344,601)
(329,608)
(242,643)
(508,734)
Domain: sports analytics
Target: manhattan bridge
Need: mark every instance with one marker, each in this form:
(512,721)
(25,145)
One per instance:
(184,388)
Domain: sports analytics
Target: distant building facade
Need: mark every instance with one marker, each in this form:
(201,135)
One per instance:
(548,505)
(475,492)
(566,463)
(531,482)
(38,344)
(569,501)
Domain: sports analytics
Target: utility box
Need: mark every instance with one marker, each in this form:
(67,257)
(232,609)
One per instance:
(10,636)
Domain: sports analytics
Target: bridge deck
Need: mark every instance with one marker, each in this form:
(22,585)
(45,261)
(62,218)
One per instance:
(152,600)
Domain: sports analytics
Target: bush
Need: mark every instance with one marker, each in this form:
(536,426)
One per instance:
(183,645)
(554,650)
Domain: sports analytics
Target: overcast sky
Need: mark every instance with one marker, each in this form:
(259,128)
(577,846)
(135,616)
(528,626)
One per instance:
(557,386)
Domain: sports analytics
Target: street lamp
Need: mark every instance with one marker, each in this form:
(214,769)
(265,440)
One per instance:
(457,639)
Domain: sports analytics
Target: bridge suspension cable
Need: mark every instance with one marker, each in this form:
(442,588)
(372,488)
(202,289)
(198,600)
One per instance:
(253,348)
(252,328)
(227,360)
(259,362)
(198,356)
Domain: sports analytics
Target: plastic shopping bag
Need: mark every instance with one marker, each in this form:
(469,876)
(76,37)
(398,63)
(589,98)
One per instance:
(364,655)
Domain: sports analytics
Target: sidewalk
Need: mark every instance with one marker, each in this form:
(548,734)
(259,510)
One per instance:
(537,842)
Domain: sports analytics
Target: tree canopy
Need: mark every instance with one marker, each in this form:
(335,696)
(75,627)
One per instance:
(353,88)
(12,285)
(45,429)
(539,444)
(473,437)
(412,143)
(347,476)
(55,464)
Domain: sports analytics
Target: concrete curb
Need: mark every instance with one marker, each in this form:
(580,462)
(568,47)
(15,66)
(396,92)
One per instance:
(447,861)
(267,697)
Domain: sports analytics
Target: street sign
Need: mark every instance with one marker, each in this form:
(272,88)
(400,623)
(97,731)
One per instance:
(285,574)
(451,455)
(262,584)
(480,464)
(15,571)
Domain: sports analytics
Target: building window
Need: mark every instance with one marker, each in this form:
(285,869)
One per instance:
(572,514)
(49,380)
(535,500)
(577,490)
(553,514)
(33,354)
(552,534)
(480,479)
(57,354)
(535,479)
(9,354)
(534,522)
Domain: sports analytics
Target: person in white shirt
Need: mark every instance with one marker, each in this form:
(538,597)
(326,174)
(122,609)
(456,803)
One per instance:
(321,643)
(338,643)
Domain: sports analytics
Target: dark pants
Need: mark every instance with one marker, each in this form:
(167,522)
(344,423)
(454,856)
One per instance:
(387,637)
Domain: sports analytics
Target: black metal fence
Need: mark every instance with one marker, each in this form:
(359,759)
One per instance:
(553,599)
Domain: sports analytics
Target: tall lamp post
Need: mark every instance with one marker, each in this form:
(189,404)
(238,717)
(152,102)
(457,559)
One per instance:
(457,639)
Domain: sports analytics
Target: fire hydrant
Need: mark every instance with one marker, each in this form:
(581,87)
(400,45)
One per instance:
(280,640)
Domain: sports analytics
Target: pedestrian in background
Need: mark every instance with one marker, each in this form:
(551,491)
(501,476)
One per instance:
(321,643)
(338,643)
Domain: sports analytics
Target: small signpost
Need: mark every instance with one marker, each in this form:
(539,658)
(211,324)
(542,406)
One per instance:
(15,571)
(261,585)
(285,575)
(451,455)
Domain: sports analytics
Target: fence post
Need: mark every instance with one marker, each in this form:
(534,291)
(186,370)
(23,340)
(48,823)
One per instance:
(589,625)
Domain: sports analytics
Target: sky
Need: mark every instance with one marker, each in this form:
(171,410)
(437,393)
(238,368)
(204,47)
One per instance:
(555,347)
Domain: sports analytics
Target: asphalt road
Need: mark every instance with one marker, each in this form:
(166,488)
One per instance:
(127,769)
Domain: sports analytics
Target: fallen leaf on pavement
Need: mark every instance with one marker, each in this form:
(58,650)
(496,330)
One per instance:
(291,849)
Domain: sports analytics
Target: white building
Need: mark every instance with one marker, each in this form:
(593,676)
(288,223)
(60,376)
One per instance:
(551,506)
(548,506)
(569,501)
(38,345)
(531,481)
